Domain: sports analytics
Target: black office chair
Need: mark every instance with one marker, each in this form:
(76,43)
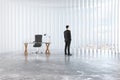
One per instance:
(38,42)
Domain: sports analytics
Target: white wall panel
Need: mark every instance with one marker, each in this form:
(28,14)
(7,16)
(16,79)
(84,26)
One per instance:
(92,22)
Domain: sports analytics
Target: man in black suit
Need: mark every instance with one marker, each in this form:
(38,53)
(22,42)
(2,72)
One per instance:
(67,37)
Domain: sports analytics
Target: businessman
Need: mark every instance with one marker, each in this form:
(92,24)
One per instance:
(67,37)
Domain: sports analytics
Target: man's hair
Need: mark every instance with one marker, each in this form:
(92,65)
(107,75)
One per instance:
(67,26)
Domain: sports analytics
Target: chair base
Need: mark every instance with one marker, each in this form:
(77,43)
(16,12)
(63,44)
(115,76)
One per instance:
(37,52)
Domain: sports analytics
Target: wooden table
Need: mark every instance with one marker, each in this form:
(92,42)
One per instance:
(46,43)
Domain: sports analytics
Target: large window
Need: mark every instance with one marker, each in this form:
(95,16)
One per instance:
(94,23)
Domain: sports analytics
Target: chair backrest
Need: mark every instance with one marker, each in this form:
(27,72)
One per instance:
(38,38)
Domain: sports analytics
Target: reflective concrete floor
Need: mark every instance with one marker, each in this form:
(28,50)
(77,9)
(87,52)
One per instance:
(80,66)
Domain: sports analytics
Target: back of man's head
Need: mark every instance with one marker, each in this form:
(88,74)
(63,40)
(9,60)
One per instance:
(67,26)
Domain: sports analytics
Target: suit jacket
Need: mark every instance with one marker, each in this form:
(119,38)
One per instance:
(67,35)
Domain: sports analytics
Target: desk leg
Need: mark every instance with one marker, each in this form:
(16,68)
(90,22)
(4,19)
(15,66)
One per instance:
(26,45)
(26,51)
(47,48)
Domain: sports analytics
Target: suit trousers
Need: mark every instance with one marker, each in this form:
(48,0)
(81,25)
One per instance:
(67,47)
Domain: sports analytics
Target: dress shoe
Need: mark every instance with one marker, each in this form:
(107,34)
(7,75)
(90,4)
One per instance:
(69,54)
(65,53)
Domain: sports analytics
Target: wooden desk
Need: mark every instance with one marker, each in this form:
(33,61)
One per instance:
(46,43)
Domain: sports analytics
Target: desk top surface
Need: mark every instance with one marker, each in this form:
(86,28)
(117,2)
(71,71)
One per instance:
(38,42)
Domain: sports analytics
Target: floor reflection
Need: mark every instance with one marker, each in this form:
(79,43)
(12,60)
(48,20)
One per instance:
(47,54)
(98,54)
(79,66)
(26,56)
(67,58)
